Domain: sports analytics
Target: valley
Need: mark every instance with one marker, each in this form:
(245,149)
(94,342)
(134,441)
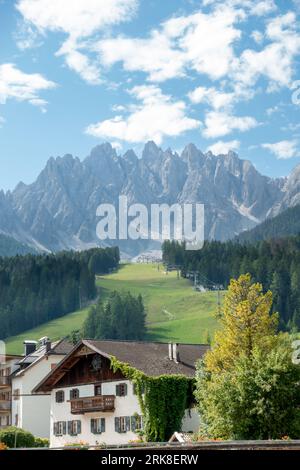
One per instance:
(174,310)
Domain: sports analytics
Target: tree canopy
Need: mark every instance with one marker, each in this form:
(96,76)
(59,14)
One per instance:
(247,385)
(121,317)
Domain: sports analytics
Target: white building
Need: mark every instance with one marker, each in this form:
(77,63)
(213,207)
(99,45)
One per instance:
(92,404)
(8,366)
(32,412)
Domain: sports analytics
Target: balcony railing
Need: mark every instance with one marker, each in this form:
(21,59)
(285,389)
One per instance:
(5,381)
(5,406)
(90,404)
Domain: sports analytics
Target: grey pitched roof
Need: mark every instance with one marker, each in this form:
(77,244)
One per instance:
(150,357)
(61,347)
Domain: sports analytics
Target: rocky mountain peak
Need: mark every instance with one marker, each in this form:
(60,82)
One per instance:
(58,210)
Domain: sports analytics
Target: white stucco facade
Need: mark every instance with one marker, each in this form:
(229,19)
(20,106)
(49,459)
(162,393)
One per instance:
(126,406)
(32,412)
(8,366)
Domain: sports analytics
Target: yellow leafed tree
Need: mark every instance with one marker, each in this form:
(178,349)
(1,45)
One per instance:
(247,322)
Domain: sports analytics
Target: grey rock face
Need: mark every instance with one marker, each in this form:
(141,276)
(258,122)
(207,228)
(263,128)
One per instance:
(58,210)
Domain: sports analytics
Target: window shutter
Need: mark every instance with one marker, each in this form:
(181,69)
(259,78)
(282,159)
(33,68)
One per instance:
(118,390)
(78,427)
(134,389)
(55,429)
(70,428)
(133,423)
(102,424)
(64,427)
(117,424)
(127,419)
(93,426)
(125,389)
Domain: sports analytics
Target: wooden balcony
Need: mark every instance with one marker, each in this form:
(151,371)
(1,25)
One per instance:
(91,404)
(5,382)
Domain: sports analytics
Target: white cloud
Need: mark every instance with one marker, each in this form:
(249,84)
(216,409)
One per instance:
(276,60)
(203,42)
(284,149)
(15,84)
(262,8)
(27,37)
(222,148)
(273,110)
(118,108)
(156,116)
(257,36)
(80,62)
(254,7)
(78,19)
(154,56)
(216,99)
(221,123)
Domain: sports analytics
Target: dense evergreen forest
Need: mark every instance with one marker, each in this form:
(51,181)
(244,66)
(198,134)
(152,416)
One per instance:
(121,317)
(11,247)
(287,223)
(274,263)
(37,288)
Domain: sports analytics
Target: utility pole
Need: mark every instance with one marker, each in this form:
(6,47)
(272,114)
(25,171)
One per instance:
(219,302)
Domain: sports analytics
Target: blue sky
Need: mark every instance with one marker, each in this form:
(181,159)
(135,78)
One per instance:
(222,74)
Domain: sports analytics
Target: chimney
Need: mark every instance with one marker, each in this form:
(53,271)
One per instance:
(48,346)
(29,347)
(170,351)
(175,353)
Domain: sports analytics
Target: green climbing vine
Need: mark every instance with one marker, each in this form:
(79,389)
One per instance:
(163,400)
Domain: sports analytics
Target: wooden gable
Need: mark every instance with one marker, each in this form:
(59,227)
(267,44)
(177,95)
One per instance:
(90,367)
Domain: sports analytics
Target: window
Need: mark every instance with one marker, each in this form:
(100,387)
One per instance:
(98,425)
(74,427)
(74,393)
(7,421)
(136,423)
(121,390)
(60,396)
(122,424)
(16,420)
(59,428)
(98,390)
(16,394)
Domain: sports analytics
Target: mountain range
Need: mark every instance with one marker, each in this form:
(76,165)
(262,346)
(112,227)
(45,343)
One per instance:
(286,223)
(58,210)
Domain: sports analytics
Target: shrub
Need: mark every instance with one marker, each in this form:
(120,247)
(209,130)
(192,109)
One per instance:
(16,437)
(76,446)
(3,446)
(39,442)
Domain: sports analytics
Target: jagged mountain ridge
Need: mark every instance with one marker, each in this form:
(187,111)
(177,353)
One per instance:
(58,210)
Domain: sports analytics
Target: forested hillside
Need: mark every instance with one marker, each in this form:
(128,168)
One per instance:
(274,263)
(11,247)
(35,289)
(285,224)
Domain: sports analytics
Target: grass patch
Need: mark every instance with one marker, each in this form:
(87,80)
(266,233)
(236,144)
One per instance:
(174,310)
